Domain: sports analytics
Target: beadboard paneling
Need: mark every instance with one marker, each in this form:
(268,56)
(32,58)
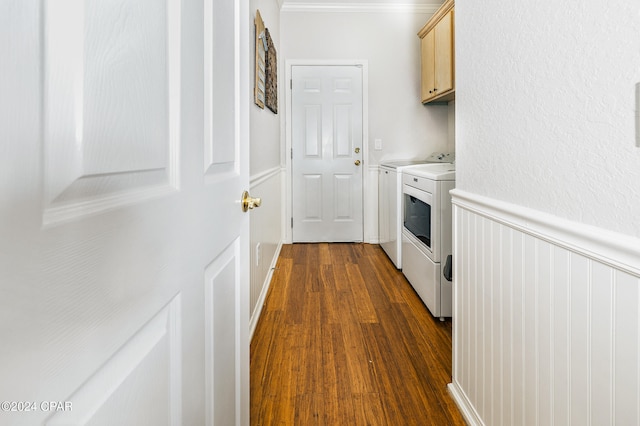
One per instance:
(266,236)
(544,331)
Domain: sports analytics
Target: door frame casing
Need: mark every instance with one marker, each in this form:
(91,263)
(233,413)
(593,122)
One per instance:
(288,143)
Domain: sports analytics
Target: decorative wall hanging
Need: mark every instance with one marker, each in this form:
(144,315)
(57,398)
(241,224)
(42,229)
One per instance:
(261,57)
(271,92)
(266,82)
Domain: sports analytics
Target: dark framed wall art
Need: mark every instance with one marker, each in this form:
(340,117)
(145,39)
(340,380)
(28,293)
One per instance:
(266,81)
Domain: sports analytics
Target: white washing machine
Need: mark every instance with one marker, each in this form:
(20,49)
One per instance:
(390,208)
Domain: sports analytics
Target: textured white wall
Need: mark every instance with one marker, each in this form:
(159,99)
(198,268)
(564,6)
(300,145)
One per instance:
(545,107)
(389,42)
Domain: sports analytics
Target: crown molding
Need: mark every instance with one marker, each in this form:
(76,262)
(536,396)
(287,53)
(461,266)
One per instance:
(446,7)
(359,7)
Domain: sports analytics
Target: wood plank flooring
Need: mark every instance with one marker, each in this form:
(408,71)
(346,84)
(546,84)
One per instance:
(344,340)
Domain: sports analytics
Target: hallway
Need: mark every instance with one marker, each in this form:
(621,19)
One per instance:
(344,340)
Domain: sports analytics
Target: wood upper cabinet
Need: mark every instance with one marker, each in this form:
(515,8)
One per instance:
(437,52)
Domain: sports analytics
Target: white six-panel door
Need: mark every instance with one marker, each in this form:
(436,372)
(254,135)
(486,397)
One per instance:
(123,246)
(327,158)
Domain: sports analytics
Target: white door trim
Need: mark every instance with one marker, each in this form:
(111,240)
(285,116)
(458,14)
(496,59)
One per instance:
(288,237)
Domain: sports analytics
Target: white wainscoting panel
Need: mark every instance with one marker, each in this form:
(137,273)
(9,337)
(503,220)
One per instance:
(546,320)
(266,236)
(119,392)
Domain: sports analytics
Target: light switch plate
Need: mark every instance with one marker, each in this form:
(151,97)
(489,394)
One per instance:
(377,144)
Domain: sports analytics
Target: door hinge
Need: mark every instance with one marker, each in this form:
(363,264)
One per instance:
(292,153)
(292,221)
(291,84)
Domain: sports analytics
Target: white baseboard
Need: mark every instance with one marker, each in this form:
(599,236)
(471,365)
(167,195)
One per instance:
(253,322)
(465,407)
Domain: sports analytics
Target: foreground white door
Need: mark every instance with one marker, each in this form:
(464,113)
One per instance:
(123,247)
(327,153)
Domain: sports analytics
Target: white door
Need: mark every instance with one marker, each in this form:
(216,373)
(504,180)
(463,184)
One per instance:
(327,153)
(123,246)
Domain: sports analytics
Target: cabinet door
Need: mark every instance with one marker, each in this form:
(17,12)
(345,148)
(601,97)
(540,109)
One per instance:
(427,46)
(443,56)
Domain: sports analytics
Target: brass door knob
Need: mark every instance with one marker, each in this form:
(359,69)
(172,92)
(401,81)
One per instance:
(249,203)
(357,162)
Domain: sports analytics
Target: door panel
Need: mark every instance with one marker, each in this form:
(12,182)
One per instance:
(221,346)
(313,130)
(146,371)
(343,125)
(110,124)
(428,77)
(343,197)
(220,105)
(326,133)
(443,52)
(312,204)
(111,229)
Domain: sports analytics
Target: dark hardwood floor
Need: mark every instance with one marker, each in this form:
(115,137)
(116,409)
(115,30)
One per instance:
(344,340)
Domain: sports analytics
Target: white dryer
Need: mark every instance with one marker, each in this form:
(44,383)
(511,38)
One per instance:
(427,234)
(390,202)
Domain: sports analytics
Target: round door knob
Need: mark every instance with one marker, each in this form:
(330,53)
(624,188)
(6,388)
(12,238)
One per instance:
(248,202)
(357,162)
